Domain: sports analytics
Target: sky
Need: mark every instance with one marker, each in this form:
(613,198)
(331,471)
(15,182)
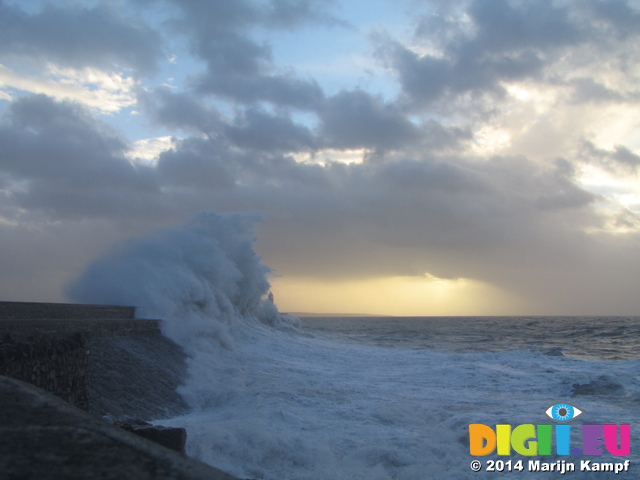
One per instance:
(460,157)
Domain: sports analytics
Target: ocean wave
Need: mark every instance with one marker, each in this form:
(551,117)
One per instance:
(270,402)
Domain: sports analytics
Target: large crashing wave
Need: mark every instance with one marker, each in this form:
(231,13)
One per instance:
(280,406)
(203,279)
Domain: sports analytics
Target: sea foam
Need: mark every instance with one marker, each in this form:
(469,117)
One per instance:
(270,402)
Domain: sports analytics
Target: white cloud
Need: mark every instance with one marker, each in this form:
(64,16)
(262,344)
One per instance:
(331,155)
(147,150)
(98,90)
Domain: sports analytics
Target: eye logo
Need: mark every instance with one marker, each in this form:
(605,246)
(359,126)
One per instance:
(538,440)
(563,412)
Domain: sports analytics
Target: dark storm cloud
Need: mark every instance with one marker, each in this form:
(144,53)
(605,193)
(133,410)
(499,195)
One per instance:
(405,214)
(349,120)
(251,128)
(400,215)
(295,13)
(622,20)
(620,160)
(563,193)
(356,119)
(258,130)
(77,36)
(421,201)
(508,27)
(410,216)
(278,89)
(67,163)
(433,209)
(198,163)
(42,138)
(179,111)
(589,90)
(237,66)
(626,157)
(501,41)
(217,17)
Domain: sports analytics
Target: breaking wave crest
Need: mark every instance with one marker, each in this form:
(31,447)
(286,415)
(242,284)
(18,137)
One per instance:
(271,403)
(203,279)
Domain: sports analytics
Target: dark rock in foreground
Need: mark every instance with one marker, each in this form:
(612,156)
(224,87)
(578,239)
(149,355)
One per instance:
(43,437)
(170,437)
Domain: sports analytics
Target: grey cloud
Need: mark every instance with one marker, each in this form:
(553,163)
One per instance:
(69,164)
(621,160)
(356,119)
(419,203)
(238,67)
(409,216)
(257,130)
(215,16)
(251,128)
(278,89)
(431,175)
(566,196)
(562,192)
(433,210)
(503,40)
(85,203)
(232,54)
(45,139)
(350,119)
(435,136)
(218,168)
(428,79)
(198,163)
(77,36)
(505,26)
(179,111)
(622,18)
(624,156)
(294,13)
(218,15)
(404,214)
(589,90)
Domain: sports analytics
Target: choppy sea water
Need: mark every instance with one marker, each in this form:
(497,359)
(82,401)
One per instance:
(357,398)
(392,398)
(604,338)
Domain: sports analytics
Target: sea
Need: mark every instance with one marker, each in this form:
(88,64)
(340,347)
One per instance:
(278,397)
(393,397)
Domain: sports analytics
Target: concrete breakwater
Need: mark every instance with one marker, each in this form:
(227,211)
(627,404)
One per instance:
(96,357)
(60,366)
(101,360)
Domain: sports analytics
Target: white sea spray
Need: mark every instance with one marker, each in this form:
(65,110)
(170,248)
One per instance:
(271,402)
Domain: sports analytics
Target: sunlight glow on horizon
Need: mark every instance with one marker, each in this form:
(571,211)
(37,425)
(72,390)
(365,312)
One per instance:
(392,296)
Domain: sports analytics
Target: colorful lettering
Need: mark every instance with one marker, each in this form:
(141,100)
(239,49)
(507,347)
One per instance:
(530,440)
(611,440)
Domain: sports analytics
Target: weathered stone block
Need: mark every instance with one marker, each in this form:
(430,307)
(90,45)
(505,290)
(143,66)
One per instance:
(170,437)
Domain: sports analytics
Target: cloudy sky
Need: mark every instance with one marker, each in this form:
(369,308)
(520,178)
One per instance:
(408,157)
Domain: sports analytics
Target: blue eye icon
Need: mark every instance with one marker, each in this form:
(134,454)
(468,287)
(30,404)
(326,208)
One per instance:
(563,412)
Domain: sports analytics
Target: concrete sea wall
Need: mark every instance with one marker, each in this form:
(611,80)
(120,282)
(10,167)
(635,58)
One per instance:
(59,366)
(104,361)
(96,357)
